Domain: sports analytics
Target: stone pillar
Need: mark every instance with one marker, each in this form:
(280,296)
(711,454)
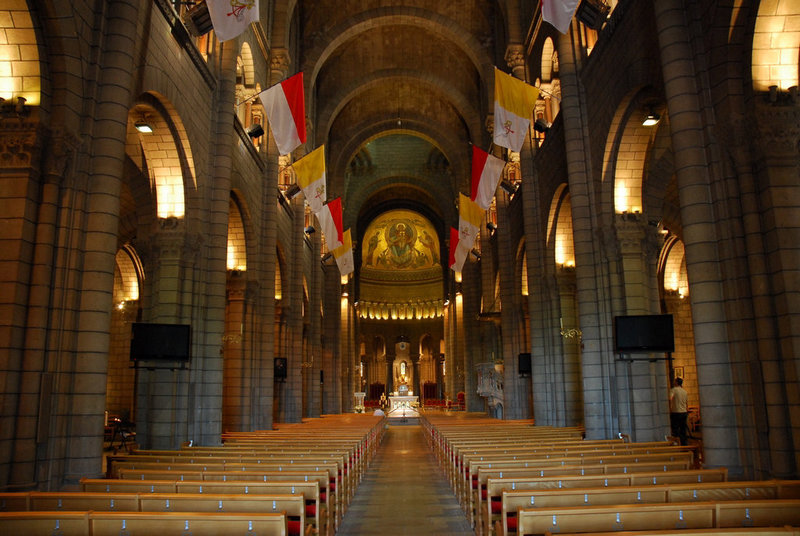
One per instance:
(79,395)
(389,374)
(415,385)
(514,407)
(720,422)
(597,360)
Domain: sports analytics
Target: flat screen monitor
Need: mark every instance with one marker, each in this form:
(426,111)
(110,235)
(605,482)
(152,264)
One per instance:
(160,342)
(644,334)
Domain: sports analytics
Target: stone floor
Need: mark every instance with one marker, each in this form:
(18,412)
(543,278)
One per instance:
(404,492)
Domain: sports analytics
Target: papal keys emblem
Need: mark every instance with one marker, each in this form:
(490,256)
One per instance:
(239,7)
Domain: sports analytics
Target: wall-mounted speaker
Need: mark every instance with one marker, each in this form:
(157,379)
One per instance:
(280,368)
(524,365)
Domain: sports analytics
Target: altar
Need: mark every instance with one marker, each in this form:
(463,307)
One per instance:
(405,405)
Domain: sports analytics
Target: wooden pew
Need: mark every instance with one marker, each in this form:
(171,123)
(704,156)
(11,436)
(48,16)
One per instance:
(747,531)
(315,511)
(495,485)
(470,493)
(502,519)
(481,494)
(182,523)
(668,516)
(35,523)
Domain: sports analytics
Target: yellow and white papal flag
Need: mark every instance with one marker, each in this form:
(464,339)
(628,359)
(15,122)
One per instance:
(310,172)
(513,108)
(231,17)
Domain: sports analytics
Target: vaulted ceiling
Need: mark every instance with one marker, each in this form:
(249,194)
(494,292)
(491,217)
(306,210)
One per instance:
(399,94)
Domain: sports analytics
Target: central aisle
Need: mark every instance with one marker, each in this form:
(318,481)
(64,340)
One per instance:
(404,492)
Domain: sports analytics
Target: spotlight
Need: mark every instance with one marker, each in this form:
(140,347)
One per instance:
(310,230)
(651,119)
(255,131)
(326,257)
(540,125)
(292,191)
(143,126)
(476,253)
(508,187)
(491,227)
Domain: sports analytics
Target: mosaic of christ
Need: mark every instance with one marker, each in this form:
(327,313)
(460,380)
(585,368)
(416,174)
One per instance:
(400,243)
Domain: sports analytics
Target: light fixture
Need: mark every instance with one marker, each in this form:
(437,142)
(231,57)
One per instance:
(326,257)
(508,187)
(491,227)
(651,119)
(143,126)
(255,131)
(293,191)
(476,253)
(309,230)
(540,125)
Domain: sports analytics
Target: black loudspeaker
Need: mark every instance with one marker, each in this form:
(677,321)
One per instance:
(525,364)
(280,368)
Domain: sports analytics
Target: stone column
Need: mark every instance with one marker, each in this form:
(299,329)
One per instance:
(720,422)
(389,374)
(76,454)
(595,321)
(514,406)
(415,385)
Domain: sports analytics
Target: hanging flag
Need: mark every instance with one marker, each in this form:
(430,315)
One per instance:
(457,254)
(513,107)
(470,216)
(486,173)
(559,13)
(232,17)
(310,172)
(344,254)
(285,106)
(330,220)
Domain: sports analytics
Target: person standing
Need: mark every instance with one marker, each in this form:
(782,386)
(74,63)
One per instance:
(678,410)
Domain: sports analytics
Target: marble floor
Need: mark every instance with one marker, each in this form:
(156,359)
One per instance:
(404,492)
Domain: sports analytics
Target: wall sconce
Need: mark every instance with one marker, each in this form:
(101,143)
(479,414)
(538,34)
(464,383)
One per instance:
(309,230)
(540,125)
(255,131)
(651,119)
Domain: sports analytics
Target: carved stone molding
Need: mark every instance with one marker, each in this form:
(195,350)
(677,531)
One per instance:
(60,157)
(515,57)
(280,62)
(779,130)
(19,143)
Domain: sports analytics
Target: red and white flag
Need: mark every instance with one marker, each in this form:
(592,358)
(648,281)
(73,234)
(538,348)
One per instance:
(344,254)
(285,106)
(232,17)
(486,173)
(310,172)
(559,13)
(457,252)
(330,220)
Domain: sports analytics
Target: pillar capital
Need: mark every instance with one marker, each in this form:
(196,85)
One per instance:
(515,59)
(279,64)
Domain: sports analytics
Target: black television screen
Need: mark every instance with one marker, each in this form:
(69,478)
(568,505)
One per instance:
(644,333)
(160,342)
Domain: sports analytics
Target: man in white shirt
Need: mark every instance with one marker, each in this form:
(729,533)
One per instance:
(678,410)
